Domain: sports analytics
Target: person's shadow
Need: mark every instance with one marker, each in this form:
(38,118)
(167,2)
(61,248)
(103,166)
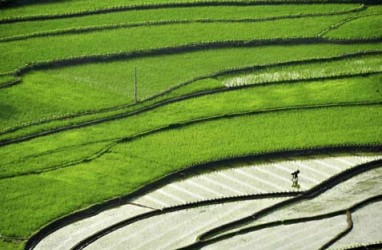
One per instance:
(295,184)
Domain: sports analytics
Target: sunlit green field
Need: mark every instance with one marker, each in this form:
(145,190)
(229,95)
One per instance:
(215,80)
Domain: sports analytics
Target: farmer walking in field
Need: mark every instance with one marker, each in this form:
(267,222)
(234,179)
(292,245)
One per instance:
(295,179)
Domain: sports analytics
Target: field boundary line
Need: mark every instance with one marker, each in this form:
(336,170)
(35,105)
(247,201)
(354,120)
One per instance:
(94,28)
(342,234)
(10,83)
(102,120)
(343,22)
(319,188)
(174,4)
(171,126)
(309,194)
(12,238)
(177,99)
(191,47)
(92,157)
(336,25)
(157,212)
(243,231)
(206,92)
(368,246)
(167,127)
(52,151)
(10,73)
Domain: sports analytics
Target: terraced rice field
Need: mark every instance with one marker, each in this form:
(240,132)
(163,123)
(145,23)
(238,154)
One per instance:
(358,236)
(161,124)
(200,203)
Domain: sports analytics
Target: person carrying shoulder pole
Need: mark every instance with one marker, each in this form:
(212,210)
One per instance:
(295,179)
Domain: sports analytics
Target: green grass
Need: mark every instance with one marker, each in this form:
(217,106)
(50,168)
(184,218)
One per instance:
(55,159)
(131,165)
(9,245)
(6,78)
(235,137)
(18,53)
(94,86)
(58,7)
(357,65)
(364,27)
(155,15)
(60,173)
(51,151)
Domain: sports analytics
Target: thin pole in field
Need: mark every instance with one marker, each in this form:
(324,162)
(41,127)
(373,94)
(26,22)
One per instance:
(135,85)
